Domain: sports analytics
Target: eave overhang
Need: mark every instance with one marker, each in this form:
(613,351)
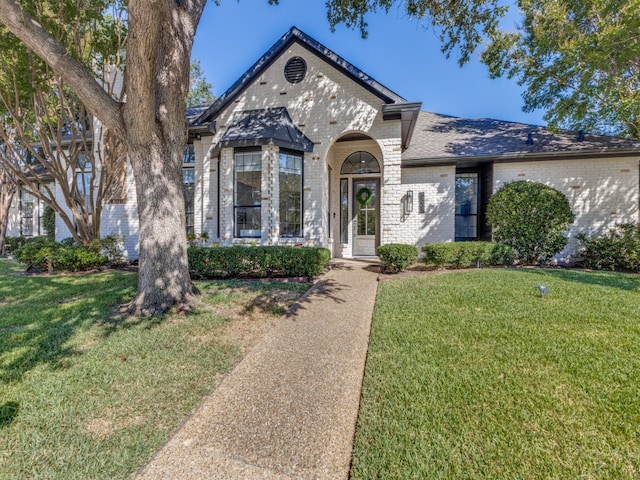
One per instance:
(266,126)
(520,157)
(407,113)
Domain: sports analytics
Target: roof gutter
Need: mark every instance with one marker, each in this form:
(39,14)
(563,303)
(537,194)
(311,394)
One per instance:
(521,157)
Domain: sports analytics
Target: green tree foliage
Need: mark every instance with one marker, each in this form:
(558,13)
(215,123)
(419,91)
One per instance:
(200,91)
(460,25)
(532,218)
(46,133)
(579,61)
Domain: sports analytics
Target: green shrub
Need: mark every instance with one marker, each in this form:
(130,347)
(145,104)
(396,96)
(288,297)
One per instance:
(617,249)
(49,222)
(395,257)
(14,243)
(68,242)
(40,252)
(257,262)
(77,259)
(466,254)
(532,218)
(112,246)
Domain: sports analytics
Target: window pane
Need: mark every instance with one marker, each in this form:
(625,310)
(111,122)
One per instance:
(26,210)
(466,223)
(84,161)
(360,162)
(467,194)
(189,154)
(83,181)
(189,182)
(248,193)
(344,210)
(290,195)
(248,222)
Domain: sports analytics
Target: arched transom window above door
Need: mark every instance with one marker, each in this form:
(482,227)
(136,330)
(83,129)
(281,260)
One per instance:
(359,163)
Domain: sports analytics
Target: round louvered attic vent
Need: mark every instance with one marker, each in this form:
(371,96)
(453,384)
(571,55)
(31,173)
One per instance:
(295,70)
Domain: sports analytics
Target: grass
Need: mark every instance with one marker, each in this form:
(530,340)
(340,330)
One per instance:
(472,375)
(86,392)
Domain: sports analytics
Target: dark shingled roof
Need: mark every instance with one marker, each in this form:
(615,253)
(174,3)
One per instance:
(194,112)
(444,139)
(267,126)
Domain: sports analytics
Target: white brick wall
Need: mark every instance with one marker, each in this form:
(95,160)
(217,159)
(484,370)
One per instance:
(601,192)
(437,223)
(122,219)
(325,106)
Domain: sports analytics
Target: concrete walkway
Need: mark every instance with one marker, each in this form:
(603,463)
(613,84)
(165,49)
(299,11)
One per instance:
(288,410)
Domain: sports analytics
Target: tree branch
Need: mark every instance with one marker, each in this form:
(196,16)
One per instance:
(81,79)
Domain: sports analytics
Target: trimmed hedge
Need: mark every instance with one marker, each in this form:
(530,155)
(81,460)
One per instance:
(466,254)
(257,262)
(42,253)
(395,257)
(617,249)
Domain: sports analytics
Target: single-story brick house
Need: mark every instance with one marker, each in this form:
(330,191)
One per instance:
(305,148)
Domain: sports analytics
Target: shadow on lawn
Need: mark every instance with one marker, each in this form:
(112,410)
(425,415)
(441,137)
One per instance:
(47,313)
(8,413)
(623,281)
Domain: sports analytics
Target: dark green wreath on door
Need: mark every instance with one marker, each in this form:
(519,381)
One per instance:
(364,196)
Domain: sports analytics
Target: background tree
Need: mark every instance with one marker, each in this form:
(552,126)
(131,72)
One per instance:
(200,91)
(47,134)
(151,123)
(579,61)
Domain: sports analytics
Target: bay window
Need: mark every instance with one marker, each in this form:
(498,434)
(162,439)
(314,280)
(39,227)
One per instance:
(248,193)
(290,193)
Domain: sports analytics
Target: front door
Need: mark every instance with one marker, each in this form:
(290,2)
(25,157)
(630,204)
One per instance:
(365,205)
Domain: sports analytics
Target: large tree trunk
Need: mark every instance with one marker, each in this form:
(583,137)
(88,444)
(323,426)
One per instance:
(163,278)
(152,124)
(159,52)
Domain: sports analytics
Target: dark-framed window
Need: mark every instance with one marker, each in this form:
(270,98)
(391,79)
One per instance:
(189,154)
(84,180)
(248,193)
(189,185)
(360,163)
(344,210)
(27,207)
(466,226)
(290,193)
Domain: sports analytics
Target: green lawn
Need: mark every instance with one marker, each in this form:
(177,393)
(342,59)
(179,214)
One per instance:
(472,375)
(86,392)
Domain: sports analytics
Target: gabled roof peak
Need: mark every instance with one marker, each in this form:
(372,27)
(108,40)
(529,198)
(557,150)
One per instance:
(294,34)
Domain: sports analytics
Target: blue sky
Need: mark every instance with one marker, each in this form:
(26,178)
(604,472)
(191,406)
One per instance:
(399,53)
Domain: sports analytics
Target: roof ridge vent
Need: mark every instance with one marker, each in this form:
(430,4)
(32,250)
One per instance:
(580,137)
